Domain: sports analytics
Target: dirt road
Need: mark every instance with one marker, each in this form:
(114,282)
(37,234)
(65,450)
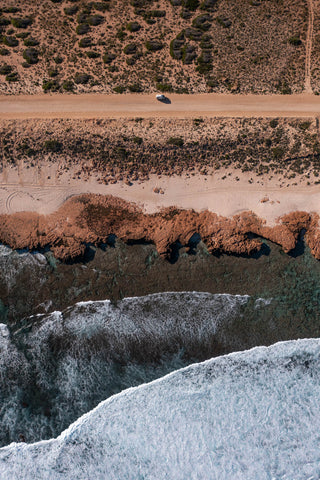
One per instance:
(135,105)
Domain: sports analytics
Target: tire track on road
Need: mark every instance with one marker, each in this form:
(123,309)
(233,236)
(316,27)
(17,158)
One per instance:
(309,40)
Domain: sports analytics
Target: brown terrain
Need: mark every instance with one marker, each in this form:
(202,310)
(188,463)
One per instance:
(208,105)
(181,46)
(129,150)
(95,219)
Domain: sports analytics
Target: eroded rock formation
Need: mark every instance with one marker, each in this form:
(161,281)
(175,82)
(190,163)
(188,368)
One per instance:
(93,218)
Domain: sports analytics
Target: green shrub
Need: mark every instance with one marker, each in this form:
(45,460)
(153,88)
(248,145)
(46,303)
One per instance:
(82,78)
(11,9)
(119,89)
(177,141)
(130,49)
(213,83)
(304,125)
(191,4)
(83,17)
(156,13)
(149,20)
(10,41)
(31,56)
(5,69)
(194,34)
(50,85)
(204,63)
(68,85)
(209,5)
(135,88)
(278,152)
(31,42)
(23,35)
(4,21)
(4,52)
(21,22)
(71,10)
(95,20)
(274,123)
(164,87)
(154,45)
(224,22)
(26,149)
(52,72)
(53,146)
(82,28)
(108,57)
(202,21)
(137,140)
(85,42)
(295,41)
(12,77)
(198,121)
(133,26)
(206,43)
(176,46)
(92,54)
(58,59)
(284,88)
(188,54)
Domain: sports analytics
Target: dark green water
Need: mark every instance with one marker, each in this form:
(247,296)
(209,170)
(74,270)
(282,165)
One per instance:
(32,284)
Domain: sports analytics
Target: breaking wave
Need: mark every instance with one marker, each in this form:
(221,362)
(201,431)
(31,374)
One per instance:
(61,365)
(244,416)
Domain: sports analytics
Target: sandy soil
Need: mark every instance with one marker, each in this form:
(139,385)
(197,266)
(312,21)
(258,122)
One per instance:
(181,106)
(252,54)
(226,197)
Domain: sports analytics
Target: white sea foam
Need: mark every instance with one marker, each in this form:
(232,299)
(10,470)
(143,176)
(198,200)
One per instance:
(60,365)
(250,415)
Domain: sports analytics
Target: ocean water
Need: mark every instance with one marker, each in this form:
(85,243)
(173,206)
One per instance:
(62,365)
(245,416)
(64,348)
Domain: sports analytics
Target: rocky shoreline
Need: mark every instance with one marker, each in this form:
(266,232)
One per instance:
(97,219)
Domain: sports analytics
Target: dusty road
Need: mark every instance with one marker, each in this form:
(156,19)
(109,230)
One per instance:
(135,105)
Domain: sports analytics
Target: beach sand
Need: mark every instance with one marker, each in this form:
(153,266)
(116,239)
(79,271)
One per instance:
(42,191)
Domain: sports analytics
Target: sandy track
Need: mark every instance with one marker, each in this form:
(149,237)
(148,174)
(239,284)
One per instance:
(308,88)
(133,105)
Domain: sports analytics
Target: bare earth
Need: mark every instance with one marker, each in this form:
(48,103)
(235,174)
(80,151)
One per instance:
(224,197)
(181,106)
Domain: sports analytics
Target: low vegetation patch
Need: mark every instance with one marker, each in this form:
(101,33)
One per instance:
(21,22)
(82,78)
(50,85)
(154,45)
(31,56)
(53,146)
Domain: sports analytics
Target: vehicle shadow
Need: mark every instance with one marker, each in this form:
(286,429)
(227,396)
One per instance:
(165,100)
